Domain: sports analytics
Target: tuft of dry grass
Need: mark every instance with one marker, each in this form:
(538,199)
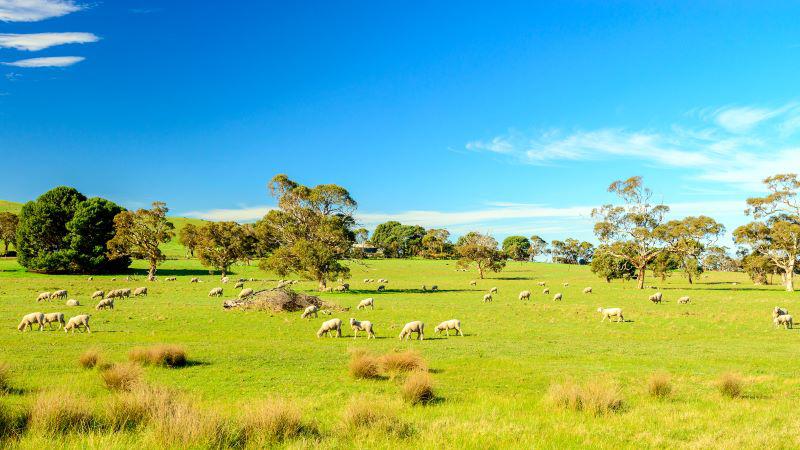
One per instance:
(418,388)
(273,421)
(402,362)
(182,425)
(121,377)
(89,359)
(5,377)
(731,385)
(56,413)
(364,365)
(598,397)
(370,414)
(165,355)
(659,385)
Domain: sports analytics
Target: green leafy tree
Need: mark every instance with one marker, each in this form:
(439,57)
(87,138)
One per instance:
(436,244)
(188,237)
(221,244)
(517,248)
(538,247)
(139,235)
(665,263)
(481,250)
(572,251)
(8,229)
(609,267)
(689,239)
(398,240)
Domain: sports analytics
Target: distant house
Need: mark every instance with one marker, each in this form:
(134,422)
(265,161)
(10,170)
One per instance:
(365,248)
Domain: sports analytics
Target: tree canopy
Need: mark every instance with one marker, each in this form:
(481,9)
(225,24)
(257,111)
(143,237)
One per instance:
(517,248)
(139,235)
(8,229)
(481,250)
(221,244)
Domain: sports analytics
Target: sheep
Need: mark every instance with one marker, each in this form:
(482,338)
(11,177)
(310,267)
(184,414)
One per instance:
(473,283)
(328,327)
(434,288)
(125,292)
(216,292)
(114,279)
(98,294)
(224,279)
(684,300)
(366,302)
(106,303)
(30,319)
(447,325)
(54,318)
(366,280)
(778,311)
(609,313)
(525,295)
(313,309)
(565,284)
(381,288)
(43,296)
(90,279)
(60,294)
(413,327)
(558,296)
(171,279)
(77,322)
(194,280)
(656,298)
(493,290)
(424,288)
(140,291)
(783,319)
(115,293)
(342,288)
(239,285)
(546,291)
(363,325)
(245,293)
(587,290)
(73,302)
(541,283)
(487,298)
(383,280)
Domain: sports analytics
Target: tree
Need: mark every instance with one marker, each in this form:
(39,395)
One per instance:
(8,229)
(538,247)
(188,238)
(481,250)
(310,232)
(609,267)
(572,251)
(436,244)
(756,266)
(64,232)
(517,248)
(362,235)
(717,258)
(633,224)
(689,239)
(665,263)
(221,244)
(398,240)
(139,235)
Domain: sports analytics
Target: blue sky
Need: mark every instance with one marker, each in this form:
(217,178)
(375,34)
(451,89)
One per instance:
(506,117)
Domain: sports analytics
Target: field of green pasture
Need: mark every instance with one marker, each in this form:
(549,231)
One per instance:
(491,384)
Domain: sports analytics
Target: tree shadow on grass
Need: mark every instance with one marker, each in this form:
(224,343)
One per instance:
(409,291)
(171,273)
(510,278)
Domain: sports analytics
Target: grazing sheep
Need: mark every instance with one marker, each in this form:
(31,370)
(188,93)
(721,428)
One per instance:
(140,291)
(785,320)
(114,279)
(239,285)
(77,322)
(245,293)
(30,319)
(329,327)
(609,313)
(366,280)
(546,291)
(363,325)
(313,309)
(447,325)
(224,279)
(115,293)
(684,300)
(473,283)
(487,298)
(381,288)
(126,292)
(413,327)
(565,284)
(366,302)
(383,280)
(656,298)
(587,290)
(98,294)
(216,292)
(90,279)
(342,288)
(778,311)
(54,318)
(171,279)
(558,296)
(194,280)
(106,303)
(525,295)
(43,296)
(424,288)
(541,283)
(493,290)
(434,288)
(73,302)
(60,294)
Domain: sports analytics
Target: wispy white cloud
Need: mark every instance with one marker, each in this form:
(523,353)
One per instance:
(35,10)
(52,61)
(41,41)
(743,119)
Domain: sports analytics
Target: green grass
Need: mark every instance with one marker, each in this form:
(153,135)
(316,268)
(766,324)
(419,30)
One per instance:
(7,206)
(491,385)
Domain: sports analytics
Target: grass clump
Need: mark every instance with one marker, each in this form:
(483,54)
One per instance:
(89,359)
(12,423)
(402,362)
(56,413)
(731,385)
(273,421)
(121,377)
(595,397)
(374,415)
(659,385)
(418,388)
(165,355)
(5,377)
(364,365)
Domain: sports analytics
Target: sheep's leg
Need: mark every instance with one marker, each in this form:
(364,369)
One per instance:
(459,332)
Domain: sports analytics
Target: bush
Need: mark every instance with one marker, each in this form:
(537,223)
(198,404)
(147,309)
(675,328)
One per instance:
(89,359)
(5,377)
(61,413)
(418,388)
(121,377)
(180,424)
(126,411)
(273,421)
(596,397)
(400,362)
(731,385)
(164,355)
(659,385)
(368,414)
(364,365)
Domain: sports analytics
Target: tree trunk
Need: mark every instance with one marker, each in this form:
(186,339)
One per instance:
(152,272)
(6,244)
(640,283)
(321,284)
(480,270)
(689,275)
(790,278)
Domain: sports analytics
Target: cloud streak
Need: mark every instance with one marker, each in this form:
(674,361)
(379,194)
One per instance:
(35,10)
(52,61)
(40,41)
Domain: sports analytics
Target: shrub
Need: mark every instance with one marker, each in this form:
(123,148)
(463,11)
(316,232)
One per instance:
(164,355)
(418,388)
(61,413)
(5,377)
(273,421)
(180,424)
(121,377)
(731,385)
(89,359)
(659,385)
(363,413)
(399,362)
(597,397)
(364,365)
(126,412)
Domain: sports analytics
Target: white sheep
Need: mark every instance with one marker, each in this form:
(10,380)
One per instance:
(312,309)
(487,298)
(366,302)
(140,291)
(224,279)
(60,294)
(565,284)
(194,280)
(525,295)
(328,327)
(73,302)
(587,290)
(473,283)
(171,279)
(98,294)
(413,327)
(126,292)
(785,320)
(656,298)
(493,290)
(778,311)
(216,292)
(90,279)
(54,318)
(363,325)
(43,296)
(434,288)
(366,280)
(342,288)
(447,325)
(684,300)
(77,322)
(245,293)
(106,303)
(29,319)
(546,291)
(239,285)
(609,313)
(383,280)
(541,283)
(558,296)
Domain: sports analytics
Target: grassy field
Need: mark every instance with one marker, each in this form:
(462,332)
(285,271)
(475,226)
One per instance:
(491,385)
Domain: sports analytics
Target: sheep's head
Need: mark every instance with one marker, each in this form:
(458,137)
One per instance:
(352,321)
(600,309)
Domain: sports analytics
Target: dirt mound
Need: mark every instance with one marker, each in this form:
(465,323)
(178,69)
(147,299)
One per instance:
(277,300)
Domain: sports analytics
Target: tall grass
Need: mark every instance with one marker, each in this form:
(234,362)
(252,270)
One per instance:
(731,385)
(364,365)
(5,377)
(89,359)
(273,421)
(121,377)
(418,388)
(365,414)
(598,397)
(55,412)
(396,363)
(659,385)
(165,355)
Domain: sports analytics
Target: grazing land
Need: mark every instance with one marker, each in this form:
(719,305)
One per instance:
(493,386)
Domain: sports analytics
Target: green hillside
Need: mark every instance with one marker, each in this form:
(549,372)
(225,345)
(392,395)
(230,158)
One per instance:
(6,206)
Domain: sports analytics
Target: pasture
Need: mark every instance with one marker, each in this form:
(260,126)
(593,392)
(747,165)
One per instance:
(491,385)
